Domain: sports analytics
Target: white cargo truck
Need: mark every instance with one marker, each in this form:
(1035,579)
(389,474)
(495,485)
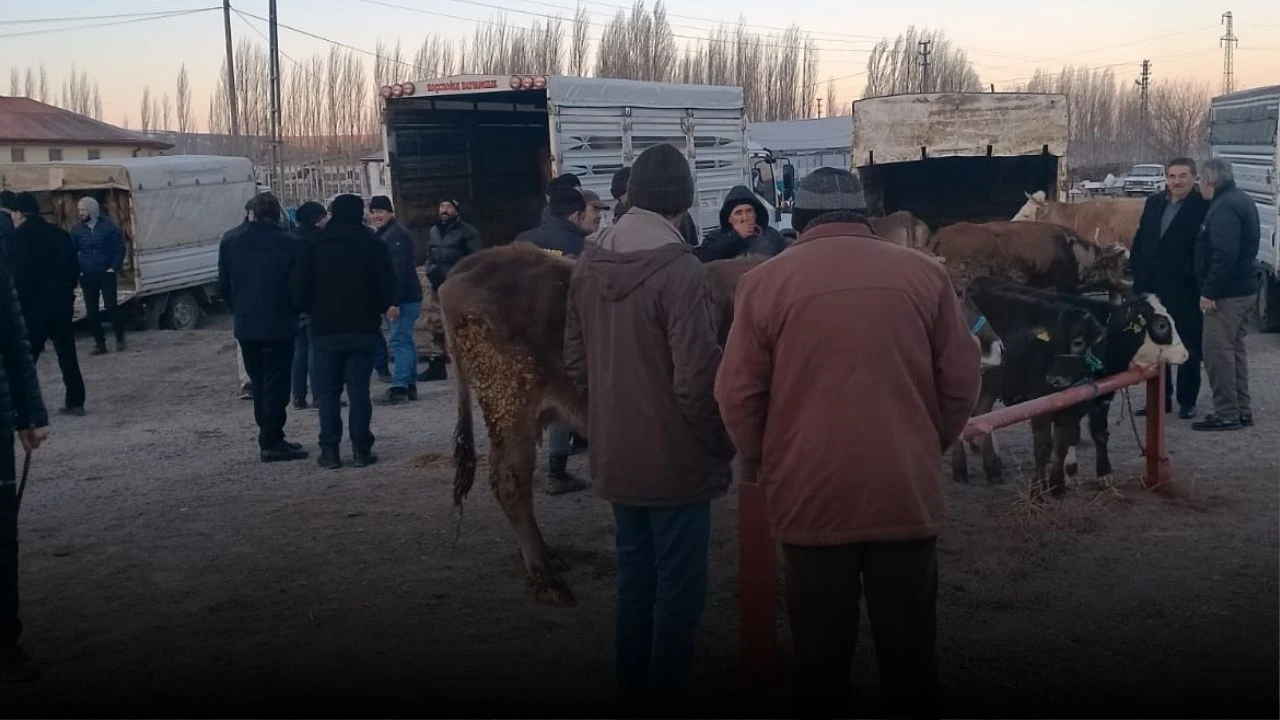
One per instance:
(1244,128)
(172,211)
(492,142)
(952,157)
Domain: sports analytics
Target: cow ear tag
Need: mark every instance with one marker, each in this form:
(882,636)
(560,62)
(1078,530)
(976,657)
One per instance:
(1042,335)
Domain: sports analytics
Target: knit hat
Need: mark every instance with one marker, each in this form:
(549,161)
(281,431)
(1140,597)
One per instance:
(346,209)
(25,203)
(618,187)
(661,181)
(829,189)
(380,202)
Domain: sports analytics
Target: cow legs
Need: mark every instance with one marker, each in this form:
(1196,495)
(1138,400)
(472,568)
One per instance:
(1099,411)
(1042,448)
(1066,435)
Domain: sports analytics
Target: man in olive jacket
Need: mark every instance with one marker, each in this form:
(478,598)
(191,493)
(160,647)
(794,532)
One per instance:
(22,411)
(640,343)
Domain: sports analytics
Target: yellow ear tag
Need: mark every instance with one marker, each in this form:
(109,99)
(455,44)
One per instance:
(1043,336)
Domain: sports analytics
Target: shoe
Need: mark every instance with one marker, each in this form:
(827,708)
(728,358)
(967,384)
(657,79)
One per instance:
(329,459)
(99,349)
(362,458)
(435,371)
(1246,420)
(578,443)
(284,452)
(412,393)
(385,378)
(1212,423)
(1186,412)
(559,481)
(395,396)
(75,411)
(119,344)
(300,404)
(17,666)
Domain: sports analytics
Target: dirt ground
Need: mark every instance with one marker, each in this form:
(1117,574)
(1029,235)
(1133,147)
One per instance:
(166,570)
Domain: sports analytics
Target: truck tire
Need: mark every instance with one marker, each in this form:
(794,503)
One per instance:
(1267,307)
(183,312)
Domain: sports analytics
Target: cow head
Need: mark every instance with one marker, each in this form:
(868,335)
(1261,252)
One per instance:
(1103,267)
(1031,209)
(1143,333)
(1076,339)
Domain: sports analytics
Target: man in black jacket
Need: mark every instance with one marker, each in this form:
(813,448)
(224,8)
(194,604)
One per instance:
(254,267)
(246,387)
(1226,252)
(744,229)
(344,282)
(311,217)
(6,224)
(407,304)
(21,411)
(45,271)
(1163,263)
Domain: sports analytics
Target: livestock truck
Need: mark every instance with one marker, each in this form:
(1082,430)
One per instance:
(1244,128)
(172,211)
(492,142)
(951,157)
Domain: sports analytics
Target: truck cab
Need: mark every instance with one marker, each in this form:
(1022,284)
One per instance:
(773,180)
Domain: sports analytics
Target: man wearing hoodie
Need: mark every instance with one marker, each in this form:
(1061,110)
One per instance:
(402,315)
(42,262)
(639,336)
(744,229)
(101,247)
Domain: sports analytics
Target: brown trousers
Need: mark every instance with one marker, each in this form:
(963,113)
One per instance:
(428,330)
(823,587)
(1225,361)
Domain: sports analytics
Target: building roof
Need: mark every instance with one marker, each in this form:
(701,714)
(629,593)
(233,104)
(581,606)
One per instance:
(24,121)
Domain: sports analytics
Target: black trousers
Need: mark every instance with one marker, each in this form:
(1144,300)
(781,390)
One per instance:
(96,285)
(344,361)
(59,330)
(270,368)
(10,626)
(823,586)
(1189,322)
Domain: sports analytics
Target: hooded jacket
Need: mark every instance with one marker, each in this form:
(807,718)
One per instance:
(1227,247)
(640,343)
(724,243)
(101,246)
(45,270)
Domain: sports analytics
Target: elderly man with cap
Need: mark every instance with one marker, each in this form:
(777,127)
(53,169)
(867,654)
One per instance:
(403,313)
(640,343)
(449,240)
(101,247)
(848,370)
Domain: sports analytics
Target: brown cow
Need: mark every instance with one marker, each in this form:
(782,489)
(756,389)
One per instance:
(504,313)
(1105,221)
(1037,254)
(903,229)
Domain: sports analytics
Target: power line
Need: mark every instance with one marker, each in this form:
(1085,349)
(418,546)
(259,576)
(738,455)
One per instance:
(77,18)
(1191,53)
(1110,47)
(94,26)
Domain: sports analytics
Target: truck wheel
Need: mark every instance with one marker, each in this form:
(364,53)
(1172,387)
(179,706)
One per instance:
(183,312)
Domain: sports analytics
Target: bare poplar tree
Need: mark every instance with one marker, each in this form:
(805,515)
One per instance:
(15,83)
(638,47)
(97,102)
(29,84)
(145,114)
(1179,112)
(184,118)
(580,45)
(435,58)
(44,84)
(895,67)
(166,109)
(832,110)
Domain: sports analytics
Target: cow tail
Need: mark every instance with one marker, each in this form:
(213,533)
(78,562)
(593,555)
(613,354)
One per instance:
(464,442)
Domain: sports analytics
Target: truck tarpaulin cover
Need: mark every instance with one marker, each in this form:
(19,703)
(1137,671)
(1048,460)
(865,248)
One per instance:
(793,136)
(609,92)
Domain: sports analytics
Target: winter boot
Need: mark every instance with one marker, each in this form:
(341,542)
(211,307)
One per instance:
(435,371)
(284,452)
(362,458)
(329,459)
(559,481)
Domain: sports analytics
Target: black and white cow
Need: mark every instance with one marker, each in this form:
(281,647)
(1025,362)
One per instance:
(1055,340)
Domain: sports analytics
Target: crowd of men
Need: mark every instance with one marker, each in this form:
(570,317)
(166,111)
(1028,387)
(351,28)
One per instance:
(845,352)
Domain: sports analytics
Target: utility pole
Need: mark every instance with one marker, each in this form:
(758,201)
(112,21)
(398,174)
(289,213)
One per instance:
(1228,43)
(924,63)
(277,167)
(232,102)
(1144,84)
(819,106)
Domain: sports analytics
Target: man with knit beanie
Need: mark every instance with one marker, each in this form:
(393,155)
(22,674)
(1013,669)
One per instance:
(639,336)
(843,417)
(618,188)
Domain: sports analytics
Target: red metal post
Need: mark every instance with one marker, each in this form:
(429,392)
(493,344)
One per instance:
(1014,414)
(1157,475)
(758,589)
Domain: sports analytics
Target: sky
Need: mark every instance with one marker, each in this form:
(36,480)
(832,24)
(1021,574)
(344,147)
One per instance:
(1006,40)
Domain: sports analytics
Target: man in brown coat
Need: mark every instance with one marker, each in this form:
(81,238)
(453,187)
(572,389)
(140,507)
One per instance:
(848,370)
(640,342)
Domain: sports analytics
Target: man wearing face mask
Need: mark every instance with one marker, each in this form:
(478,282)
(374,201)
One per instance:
(1163,252)
(448,241)
(101,248)
(744,229)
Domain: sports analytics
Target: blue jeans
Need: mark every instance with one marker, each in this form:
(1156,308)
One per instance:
(302,360)
(402,345)
(662,589)
(343,360)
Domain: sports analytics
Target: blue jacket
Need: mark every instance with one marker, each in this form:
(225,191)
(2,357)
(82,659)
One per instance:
(100,247)
(400,248)
(254,267)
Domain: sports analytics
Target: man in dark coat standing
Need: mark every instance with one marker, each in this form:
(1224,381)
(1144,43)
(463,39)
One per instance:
(1226,254)
(22,412)
(253,274)
(311,216)
(1162,260)
(344,282)
(407,305)
(6,224)
(100,245)
(44,268)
